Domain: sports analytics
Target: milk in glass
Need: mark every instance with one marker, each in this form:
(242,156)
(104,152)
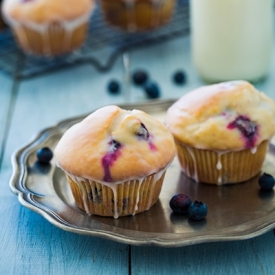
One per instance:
(231,39)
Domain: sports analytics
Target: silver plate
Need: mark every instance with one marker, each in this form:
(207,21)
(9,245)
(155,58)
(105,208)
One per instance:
(236,212)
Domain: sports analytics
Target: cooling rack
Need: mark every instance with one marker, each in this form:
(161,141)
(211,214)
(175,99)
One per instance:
(103,41)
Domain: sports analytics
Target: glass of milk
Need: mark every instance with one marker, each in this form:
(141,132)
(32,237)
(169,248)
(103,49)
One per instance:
(231,39)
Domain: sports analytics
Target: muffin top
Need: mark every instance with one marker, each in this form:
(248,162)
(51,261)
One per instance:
(41,11)
(226,116)
(114,145)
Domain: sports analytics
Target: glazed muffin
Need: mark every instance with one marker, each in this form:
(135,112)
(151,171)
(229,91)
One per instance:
(48,27)
(115,161)
(137,15)
(222,131)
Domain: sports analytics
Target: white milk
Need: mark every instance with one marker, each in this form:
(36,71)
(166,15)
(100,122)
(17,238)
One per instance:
(232,39)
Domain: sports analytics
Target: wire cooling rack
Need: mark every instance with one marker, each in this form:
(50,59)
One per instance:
(103,41)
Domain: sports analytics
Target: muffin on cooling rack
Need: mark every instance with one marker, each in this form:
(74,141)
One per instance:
(137,15)
(2,23)
(222,131)
(48,27)
(115,161)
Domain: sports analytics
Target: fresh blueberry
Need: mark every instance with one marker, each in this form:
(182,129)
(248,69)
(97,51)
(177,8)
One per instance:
(266,181)
(179,77)
(197,210)
(152,90)
(140,77)
(44,155)
(113,87)
(180,203)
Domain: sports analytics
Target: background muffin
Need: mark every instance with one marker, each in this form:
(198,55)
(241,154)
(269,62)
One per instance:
(222,131)
(137,15)
(48,27)
(115,161)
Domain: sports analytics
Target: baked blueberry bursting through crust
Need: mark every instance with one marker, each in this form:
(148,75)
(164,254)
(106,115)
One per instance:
(143,132)
(110,158)
(248,129)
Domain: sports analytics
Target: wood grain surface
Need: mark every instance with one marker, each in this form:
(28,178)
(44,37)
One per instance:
(31,245)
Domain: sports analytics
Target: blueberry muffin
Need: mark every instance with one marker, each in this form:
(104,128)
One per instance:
(137,15)
(222,131)
(115,161)
(48,27)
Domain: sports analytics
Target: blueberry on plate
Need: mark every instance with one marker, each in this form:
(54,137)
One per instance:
(152,90)
(197,210)
(179,77)
(180,203)
(266,181)
(140,77)
(44,155)
(113,86)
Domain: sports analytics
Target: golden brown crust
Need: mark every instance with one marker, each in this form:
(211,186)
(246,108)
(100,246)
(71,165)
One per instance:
(112,145)
(202,117)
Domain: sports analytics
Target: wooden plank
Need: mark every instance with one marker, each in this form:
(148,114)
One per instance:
(5,104)
(239,257)
(29,243)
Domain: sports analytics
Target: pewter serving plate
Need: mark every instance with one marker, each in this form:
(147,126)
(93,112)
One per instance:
(235,212)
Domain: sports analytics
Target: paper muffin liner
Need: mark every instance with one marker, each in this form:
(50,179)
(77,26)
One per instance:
(52,38)
(136,15)
(220,167)
(116,199)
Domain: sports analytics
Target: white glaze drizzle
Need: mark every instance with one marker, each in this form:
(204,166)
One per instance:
(113,186)
(44,28)
(195,174)
(218,165)
(130,6)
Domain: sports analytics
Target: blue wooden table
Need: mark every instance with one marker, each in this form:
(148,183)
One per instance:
(29,244)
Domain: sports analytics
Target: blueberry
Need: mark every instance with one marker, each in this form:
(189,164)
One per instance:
(248,129)
(113,87)
(179,77)
(44,155)
(180,203)
(197,210)
(152,90)
(266,181)
(114,145)
(143,132)
(140,77)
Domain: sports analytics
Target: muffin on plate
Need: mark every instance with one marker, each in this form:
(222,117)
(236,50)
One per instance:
(115,161)
(137,15)
(222,131)
(48,27)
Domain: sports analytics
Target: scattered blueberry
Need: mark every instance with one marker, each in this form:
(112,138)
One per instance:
(44,155)
(140,77)
(179,77)
(180,203)
(152,90)
(113,87)
(266,181)
(197,210)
